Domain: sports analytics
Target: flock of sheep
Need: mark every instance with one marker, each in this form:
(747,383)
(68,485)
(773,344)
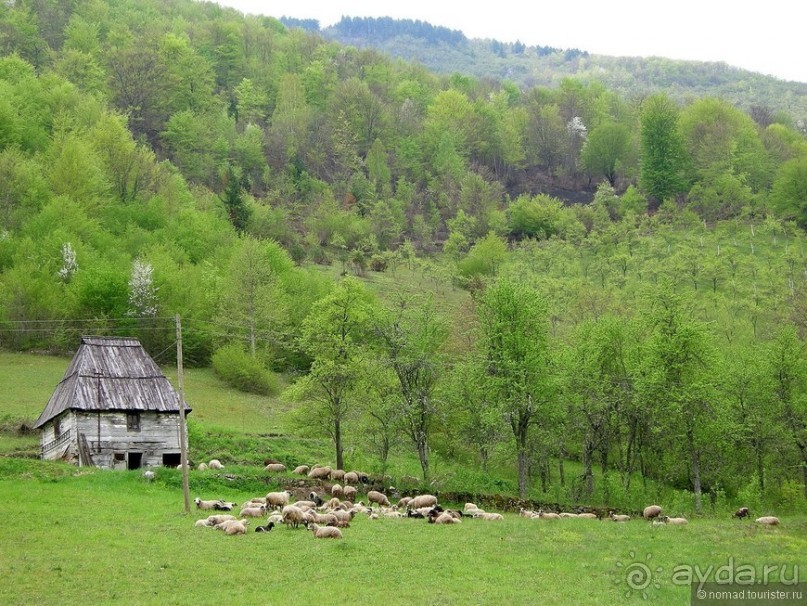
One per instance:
(326,514)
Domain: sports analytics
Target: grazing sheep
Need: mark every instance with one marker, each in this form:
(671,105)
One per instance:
(225,505)
(275,467)
(277,499)
(676,521)
(202,467)
(768,520)
(265,528)
(312,517)
(253,512)
(325,532)
(301,470)
(333,503)
(215,464)
(313,496)
(742,512)
(659,521)
(380,498)
(618,517)
(351,477)
(337,475)
(275,519)
(349,493)
(200,504)
(258,500)
(344,516)
(319,473)
(337,491)
(471,507)
(566,514)
(423,500)
(305,505)
(526,513)
(588,516)
(293,516)
(651,511)
(403,502)
(149,475)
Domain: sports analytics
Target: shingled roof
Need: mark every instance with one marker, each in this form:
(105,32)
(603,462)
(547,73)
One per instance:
(111,373)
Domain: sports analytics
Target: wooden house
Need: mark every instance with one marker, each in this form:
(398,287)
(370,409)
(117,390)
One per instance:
(113,408)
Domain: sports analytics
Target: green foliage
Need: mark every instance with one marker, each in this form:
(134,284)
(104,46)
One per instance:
(789,193)
(243,372)
(663,154)
(534,217)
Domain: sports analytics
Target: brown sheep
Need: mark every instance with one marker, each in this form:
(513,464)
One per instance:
(651,511)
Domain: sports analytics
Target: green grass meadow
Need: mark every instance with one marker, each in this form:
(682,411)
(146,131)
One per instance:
(100,537)
(87,536)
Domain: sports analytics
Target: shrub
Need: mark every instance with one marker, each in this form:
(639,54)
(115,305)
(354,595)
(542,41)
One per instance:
(243,372)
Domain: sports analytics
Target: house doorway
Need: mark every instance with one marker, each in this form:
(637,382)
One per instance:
(135,460)
(171,459)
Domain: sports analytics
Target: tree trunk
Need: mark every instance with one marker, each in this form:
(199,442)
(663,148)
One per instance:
(523,469)
(337,438)
(760,465)
(423,455)
(696,472)
(588,474)
(561,471)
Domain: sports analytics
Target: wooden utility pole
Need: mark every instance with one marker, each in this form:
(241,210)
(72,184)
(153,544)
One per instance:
(183,438)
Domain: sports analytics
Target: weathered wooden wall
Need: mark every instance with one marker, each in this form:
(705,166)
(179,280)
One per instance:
(107,434)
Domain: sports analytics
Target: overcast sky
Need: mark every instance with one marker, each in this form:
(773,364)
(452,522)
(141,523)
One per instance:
(768,36)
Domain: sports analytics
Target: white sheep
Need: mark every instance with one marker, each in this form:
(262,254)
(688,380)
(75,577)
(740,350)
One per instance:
(470,508)
(301,470)
(275,518)
(444,518)
(200,504)
(253,512)
(768,520)
(202,523)
(488,516)
(337,491)
(236,527)
(325,532)
(201,467)
(149,475)
(277,499)
(349,493)
(319,473)
(676,521)
(312,517)
(618,517)
(588,516)
(423,500)
(219,518)
(403,502)
(275,467)
(337,475)
(293,516)
(566,514)
(343,516)
(215,464)
(373,496)
(651,511)
(305,505)
(351,477)
(548,515)
(526,513)
(659,521)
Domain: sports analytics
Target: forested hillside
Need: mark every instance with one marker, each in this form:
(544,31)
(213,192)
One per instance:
(162,158)
(446,52)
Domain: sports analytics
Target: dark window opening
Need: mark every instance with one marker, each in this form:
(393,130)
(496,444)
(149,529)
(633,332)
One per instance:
(135,460)
(57,428)
(120,456)
(172,459)
(132,421)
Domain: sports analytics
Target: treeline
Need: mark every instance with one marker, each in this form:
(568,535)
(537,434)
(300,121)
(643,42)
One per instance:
(381,28)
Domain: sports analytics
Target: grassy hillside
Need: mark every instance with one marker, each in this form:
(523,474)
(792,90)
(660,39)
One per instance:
(141,549)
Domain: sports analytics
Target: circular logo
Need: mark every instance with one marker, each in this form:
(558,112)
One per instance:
(638,576)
